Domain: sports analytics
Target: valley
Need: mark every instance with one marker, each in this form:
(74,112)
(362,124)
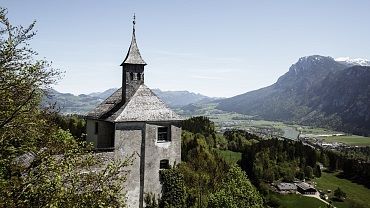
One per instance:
(268,129)
(190,104)
(316,91)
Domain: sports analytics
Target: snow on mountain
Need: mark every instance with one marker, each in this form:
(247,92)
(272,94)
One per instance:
(353,61)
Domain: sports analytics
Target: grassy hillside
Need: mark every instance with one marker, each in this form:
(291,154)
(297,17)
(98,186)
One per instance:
(295,201)
(356,194)
(350,140)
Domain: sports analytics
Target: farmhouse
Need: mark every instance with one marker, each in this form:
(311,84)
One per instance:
(305,188)
(134,121)
(287,187)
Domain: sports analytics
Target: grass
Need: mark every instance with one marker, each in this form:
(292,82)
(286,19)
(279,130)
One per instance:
(356,194)
(295,201)
(230,156)
(316,130)
(350,140)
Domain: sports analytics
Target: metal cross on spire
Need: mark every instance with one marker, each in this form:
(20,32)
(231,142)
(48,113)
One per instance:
(134,22)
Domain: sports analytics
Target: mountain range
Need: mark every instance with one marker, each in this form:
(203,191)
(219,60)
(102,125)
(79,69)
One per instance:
(68,103)
(318,91)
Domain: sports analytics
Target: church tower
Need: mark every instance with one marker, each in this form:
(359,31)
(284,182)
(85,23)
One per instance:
(132,66)
(134,121)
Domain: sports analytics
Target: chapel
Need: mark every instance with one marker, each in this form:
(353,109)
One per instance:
(134,121)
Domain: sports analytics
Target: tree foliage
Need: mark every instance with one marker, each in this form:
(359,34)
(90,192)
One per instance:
(75,124)
(23,81)
(236,191)
(308,171)
(353,162)
(173,188)
(238,140)
(199,124)
(339,194)
(202,167)
(317,171)
(40,164)
(274,159)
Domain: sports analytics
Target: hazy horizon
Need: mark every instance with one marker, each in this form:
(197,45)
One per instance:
(216,48)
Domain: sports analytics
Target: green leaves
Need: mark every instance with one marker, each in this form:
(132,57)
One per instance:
(73,178)
(236,191)
(40,164)
(173,188)
(199,124)
(339,194)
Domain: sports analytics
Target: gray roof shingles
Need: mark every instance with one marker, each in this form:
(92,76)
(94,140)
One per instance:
(142,105)
(112,104)
(146,106)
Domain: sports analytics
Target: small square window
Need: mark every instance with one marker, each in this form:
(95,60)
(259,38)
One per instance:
(163,135)
(164,164)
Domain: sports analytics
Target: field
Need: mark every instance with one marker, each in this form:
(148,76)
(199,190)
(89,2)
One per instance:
(295,201)
(269,129)
(356,194)
(350,140)
(230,156)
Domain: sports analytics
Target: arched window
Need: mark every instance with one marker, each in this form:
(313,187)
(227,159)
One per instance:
(131,76)
(138,76)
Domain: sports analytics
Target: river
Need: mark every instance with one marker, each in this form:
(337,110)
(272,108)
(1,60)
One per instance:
(290,132)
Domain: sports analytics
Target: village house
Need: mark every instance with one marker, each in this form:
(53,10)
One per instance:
(285,188)
(134,121)
(305,188)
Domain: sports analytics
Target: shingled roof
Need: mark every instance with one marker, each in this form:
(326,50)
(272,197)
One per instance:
(112,104)
(106,106)
(143,105)
(133,56)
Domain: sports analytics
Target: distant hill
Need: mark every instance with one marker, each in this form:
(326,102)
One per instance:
(68,103)
(103,95)
(176,99)
(81,104)
(316,90)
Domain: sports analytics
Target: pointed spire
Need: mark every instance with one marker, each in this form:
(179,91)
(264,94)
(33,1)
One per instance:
(133,23)
(133,55)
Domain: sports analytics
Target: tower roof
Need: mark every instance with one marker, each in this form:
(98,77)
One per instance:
(133,55)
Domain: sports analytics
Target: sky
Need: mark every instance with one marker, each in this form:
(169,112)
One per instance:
(216,48)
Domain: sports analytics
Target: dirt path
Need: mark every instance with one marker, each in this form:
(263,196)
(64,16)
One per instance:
(317,196)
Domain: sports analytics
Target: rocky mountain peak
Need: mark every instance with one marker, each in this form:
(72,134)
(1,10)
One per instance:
(309,70)
(353,61)
(309,63)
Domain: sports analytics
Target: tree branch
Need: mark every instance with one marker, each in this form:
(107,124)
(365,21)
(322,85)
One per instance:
(16,110)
